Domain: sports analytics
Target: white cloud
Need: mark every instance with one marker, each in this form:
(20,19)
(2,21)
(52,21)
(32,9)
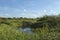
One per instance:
(29,15)
(57,3)
(44,10)
(34,15)
(51,10)
(6,14)
(23,14)
(25,10)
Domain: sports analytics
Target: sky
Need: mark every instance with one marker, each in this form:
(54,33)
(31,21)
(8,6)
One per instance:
(29,8)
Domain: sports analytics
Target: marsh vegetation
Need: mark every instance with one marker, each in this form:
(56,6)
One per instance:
(43,28)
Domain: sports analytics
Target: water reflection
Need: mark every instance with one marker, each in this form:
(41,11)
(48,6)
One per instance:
(27,30)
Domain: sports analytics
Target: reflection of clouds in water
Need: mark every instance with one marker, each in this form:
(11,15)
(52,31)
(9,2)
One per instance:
(27,30)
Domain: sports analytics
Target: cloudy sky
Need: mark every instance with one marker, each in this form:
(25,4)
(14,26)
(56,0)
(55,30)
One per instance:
(29,8)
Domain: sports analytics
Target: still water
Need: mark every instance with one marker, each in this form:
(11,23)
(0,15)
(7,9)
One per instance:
(27,30)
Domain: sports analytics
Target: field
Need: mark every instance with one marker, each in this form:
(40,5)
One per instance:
(43,28)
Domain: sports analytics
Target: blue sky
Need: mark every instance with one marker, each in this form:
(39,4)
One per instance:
(29,8)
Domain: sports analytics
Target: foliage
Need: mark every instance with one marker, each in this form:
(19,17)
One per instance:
(43,28)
